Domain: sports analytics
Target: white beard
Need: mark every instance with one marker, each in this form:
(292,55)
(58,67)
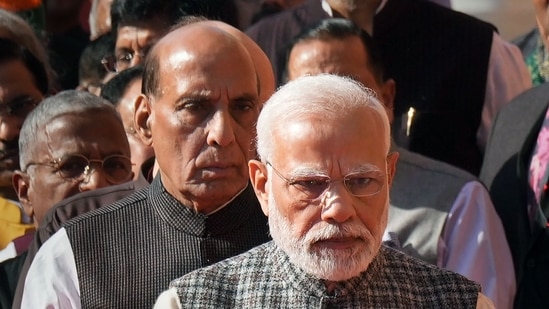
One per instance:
(323,263)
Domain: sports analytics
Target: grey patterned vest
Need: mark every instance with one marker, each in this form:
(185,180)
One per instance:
(265,278)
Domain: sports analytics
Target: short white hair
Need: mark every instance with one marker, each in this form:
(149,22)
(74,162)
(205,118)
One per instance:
(326,95)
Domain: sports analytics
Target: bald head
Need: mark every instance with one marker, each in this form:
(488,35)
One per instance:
(179,46)
(262,64)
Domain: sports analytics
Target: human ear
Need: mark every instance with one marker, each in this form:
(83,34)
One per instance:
(142,119)
(258,176)
(391,166)
(21,184)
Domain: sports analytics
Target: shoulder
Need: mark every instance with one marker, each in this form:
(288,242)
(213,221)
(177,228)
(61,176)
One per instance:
(412,164)
(421,274)
(131,202)
(532,100)
(84,202)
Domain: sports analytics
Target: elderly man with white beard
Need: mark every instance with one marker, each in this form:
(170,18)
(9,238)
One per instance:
(323,180)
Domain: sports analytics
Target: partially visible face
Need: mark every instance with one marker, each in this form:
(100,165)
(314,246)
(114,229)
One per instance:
(93,136)
(133,42)
(139,151)
(18,90)
(338,236)
(541,8)
(203,120)
(344,57)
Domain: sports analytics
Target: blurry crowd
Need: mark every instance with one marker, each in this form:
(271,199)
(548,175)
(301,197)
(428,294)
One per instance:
(271,153)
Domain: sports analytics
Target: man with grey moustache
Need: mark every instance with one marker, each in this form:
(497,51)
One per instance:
(327,199)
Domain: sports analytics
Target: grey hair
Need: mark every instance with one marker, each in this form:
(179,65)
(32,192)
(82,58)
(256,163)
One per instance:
(18,30)
(326,95)
(65,102)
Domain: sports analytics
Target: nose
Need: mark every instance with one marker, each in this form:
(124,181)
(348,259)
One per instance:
(9,128)
(95,179)
(337,204)
(220,129)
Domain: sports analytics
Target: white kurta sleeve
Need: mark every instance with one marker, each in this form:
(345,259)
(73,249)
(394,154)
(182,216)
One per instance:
(168,300)
(52,280)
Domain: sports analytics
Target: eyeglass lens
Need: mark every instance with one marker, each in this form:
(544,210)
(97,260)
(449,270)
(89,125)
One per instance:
(116,168)
(313,187)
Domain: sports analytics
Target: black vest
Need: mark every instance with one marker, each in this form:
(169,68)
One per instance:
(127,253)
(439,60)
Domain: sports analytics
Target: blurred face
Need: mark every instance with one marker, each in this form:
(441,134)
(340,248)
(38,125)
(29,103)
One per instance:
(95,138)
(344,57)
(133,42)
(139,151)
(19,95)
(541,8)
(203,120)
(336,236)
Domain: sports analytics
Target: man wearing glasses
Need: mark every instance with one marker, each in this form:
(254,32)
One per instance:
(323,181)
(72,142)
(198,110)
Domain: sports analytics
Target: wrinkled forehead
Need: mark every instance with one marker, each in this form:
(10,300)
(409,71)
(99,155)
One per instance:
(219,57)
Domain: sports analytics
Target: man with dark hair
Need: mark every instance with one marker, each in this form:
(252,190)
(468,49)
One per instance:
(323,179)
(92,74)
(440,214)
(199,209)
(122,91)
(138,24)
(72,142)
(451,82)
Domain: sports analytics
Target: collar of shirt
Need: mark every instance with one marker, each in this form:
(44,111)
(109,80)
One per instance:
(326,7)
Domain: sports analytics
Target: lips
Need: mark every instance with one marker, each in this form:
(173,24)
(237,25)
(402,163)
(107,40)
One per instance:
(217,171)
(339,243)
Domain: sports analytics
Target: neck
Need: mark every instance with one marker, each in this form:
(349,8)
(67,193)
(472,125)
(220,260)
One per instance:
(362,17)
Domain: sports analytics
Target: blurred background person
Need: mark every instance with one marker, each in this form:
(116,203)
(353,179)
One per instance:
(92,72)
(23,84)
(122,91)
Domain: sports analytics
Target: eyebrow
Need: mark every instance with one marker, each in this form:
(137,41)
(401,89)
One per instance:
(247,96)
(364,168)
(310,171)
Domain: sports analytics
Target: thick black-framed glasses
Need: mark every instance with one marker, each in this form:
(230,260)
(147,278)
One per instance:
(19,107)
(311,188)
(116,168)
